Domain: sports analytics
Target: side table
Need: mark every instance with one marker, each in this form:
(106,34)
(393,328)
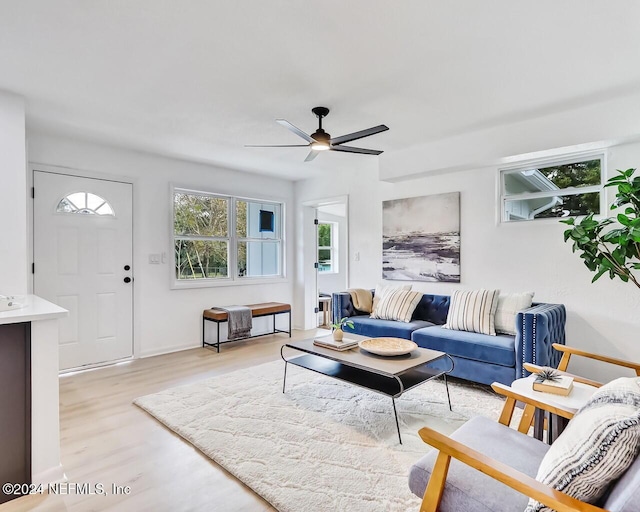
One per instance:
(571,403)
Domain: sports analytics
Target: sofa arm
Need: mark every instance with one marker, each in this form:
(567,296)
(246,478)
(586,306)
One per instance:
(537,329)
(342,306)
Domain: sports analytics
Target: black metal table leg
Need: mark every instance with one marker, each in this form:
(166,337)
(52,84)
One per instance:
(203,324)
(446,385)
(284,380)
(218,339)
(395,413)
(289,323)
(538,424)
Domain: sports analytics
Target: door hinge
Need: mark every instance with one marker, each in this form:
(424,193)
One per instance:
(315,265)
(33,192)
(316,310)
(33,268)
(315,221)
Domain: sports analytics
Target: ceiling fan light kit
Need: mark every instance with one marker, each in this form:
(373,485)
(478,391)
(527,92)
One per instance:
(322,141)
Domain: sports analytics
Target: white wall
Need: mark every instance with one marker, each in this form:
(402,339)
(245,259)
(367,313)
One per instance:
(165,319)
(329,282)
(592,125)
(13,196)
(602,317)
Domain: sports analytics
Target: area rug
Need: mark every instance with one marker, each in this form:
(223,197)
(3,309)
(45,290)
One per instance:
(323,445)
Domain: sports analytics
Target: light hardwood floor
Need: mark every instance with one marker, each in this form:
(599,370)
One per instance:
(106,439)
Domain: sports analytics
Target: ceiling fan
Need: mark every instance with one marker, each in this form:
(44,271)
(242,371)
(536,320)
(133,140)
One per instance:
(322,141)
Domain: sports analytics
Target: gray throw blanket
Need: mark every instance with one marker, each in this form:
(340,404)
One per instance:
(239,321)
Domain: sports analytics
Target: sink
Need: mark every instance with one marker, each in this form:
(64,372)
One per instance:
(8,303)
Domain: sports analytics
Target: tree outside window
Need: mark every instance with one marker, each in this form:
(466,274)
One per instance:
(210,243)
(327,247)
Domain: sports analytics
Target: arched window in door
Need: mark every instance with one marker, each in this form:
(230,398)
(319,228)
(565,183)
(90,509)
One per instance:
(85,203)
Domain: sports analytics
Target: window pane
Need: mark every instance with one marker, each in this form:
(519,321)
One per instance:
(324,260)
(579,174)
(257,259)
(85,203)
(257,220)
(548,207)
(200,215)
(78,199)
(196,259)
(324,235)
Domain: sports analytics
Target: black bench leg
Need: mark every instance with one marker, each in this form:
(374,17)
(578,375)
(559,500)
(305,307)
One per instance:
(289,323)
(203,323)
(218,339)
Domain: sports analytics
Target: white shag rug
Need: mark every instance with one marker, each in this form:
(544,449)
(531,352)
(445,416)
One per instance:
(324,445)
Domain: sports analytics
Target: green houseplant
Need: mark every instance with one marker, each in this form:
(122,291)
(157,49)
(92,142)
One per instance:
(337,328)
(612,245)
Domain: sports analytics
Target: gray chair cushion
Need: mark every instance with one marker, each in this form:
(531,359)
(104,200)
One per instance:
(624,495)
(470,490)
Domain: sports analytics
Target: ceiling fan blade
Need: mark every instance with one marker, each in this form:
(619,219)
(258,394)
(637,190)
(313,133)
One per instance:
(359,135)
(351,149)
(312,154)
(278,146)
(294,129)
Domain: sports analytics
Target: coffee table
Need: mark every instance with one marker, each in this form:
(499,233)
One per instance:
(389,376)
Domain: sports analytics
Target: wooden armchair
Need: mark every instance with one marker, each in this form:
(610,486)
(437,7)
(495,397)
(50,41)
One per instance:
(500,453)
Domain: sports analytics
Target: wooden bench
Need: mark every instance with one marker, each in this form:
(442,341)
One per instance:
(257,310)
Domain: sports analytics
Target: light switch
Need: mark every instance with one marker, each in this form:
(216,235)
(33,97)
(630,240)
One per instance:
(357,256)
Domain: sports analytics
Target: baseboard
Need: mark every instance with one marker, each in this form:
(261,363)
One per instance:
(49,476)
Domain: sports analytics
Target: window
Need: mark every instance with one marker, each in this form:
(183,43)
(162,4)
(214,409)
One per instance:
(85,203)
(565,188)
(327,247)
(223,238)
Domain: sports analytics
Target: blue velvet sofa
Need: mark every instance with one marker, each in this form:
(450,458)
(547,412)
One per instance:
(478,357)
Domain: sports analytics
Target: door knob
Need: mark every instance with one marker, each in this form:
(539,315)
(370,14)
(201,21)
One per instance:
(127,267)
(127,279)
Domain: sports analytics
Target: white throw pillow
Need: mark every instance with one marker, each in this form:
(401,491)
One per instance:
(397,305)
(598,445)
(473,311)
(382,290)
(508,307)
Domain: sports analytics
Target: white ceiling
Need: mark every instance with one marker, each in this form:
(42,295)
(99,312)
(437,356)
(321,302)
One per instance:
(198,79)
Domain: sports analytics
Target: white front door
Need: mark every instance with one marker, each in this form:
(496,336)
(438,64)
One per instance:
(83,262)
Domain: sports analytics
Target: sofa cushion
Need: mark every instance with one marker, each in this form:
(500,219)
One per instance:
(473,311)
(375,327)
(500,349)
(598,445)
(397,305)
(470,490)
(383,289)
(508,307)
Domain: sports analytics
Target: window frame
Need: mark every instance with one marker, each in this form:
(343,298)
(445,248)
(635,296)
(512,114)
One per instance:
(569,191)
(233,278)
(333,248)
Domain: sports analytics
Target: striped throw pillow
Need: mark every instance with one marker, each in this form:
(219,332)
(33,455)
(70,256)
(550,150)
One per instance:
(473,311)
(397,305)
(598,445)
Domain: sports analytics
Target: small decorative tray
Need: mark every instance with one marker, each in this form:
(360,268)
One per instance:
(388,346)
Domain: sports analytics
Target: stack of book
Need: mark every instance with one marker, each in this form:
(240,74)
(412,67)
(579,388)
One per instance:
(329,342)
(561,385)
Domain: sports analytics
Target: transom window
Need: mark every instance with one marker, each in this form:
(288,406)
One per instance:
(85,203)
(565,188)
(327,247)
(220,237)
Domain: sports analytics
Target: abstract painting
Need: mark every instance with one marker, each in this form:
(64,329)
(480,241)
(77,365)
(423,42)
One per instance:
(421,238)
